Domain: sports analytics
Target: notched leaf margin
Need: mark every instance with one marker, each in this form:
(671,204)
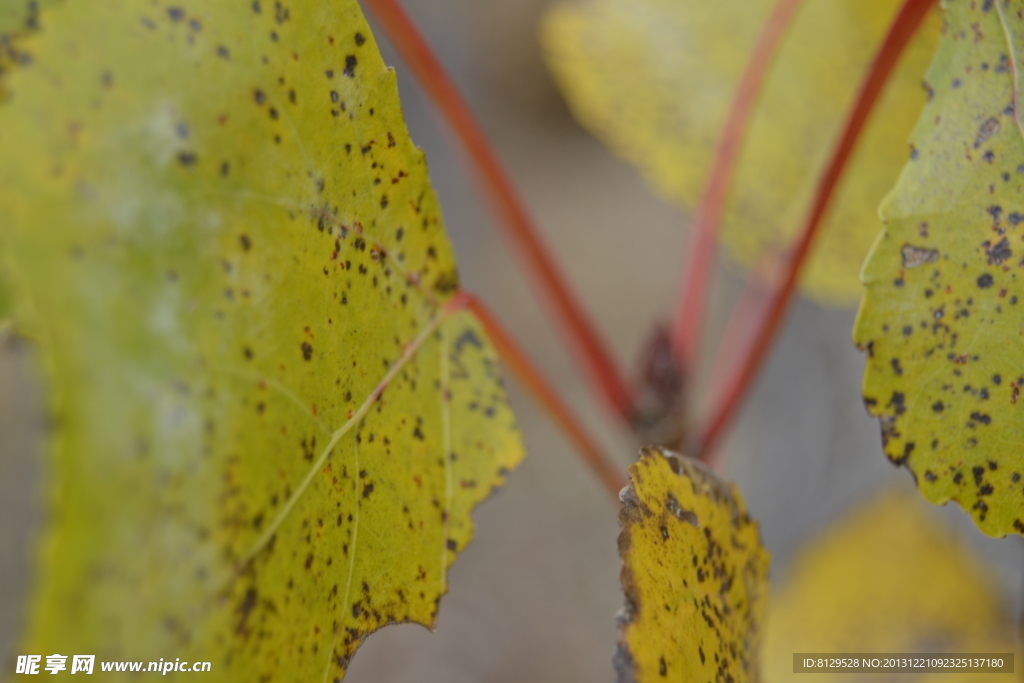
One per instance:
(704,483)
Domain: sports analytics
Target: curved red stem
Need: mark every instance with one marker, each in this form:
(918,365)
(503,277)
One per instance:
(909,18)
(688,323)
(588,348)
(610,474)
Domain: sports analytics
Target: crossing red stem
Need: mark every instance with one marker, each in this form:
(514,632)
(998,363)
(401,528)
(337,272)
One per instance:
(587,346)
(738,385)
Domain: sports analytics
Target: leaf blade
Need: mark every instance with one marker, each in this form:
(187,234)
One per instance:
(939,314)
(886,577)
(654,81)
(242,241)
(694,575)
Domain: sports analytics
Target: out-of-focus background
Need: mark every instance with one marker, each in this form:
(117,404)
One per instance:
(534,597)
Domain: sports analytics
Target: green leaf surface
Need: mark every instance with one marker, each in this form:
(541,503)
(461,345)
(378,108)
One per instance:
(274,420)
(654,79)
(18,18)
(694,573)
(941,320)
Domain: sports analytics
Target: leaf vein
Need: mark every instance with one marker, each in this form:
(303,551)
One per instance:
(407,355)
(351,567)
(1013,67)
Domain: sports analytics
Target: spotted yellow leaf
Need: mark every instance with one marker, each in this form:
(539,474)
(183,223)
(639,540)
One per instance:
(274,417)
(694,573)
(18,18)
(940,319)
(886,578)
(655,79)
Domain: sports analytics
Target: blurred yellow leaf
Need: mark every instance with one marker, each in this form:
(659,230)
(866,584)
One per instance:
(231,245)
(694,574)
(654,79)
(940,319)
(886,579)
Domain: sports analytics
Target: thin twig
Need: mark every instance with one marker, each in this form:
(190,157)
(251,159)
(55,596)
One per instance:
(741,326)
(740,330)
(610,473)
(738,386)
(688,323)
(588,348)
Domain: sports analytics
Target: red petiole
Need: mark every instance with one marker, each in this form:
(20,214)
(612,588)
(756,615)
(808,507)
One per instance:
(610,473)
(737,386)
(688,323)
(589,349)
(594,358)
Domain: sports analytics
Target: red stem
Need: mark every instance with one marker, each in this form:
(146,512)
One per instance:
(605,468)
(689,318)
(738,333)
(738,386)
(741,326)
(588,348)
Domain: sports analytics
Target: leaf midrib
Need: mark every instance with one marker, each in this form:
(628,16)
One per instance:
(1013,67)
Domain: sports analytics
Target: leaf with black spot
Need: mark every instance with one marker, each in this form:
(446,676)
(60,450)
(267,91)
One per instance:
(694,573)
(966,187)
(189,243)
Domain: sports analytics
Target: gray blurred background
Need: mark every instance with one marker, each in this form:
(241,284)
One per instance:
(534,597)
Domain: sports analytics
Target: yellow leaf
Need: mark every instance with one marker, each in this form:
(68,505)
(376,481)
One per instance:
(940,319)
(232,246)
(694,574)
(655,78)
(885,579)
(18,18)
